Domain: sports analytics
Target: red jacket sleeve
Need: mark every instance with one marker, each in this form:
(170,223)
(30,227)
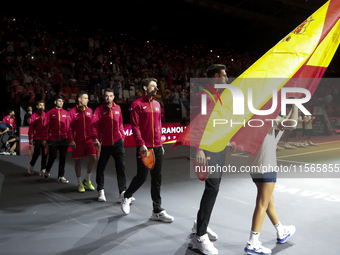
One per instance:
(31,127)
(70,126)
(134,116)
(47,124)
(121,127)
(94,125)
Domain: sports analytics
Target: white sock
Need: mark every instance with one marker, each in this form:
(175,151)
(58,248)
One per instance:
(254,237)
(79,180)
(88,176)
(279,228)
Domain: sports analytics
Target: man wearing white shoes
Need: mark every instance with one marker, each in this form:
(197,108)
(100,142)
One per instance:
(147,130)
(109,125)
(203,235)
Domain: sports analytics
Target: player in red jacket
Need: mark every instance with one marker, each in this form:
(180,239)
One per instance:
(82,138)
(109,127)
(37,137)
(56,126)
(147,130)
(10,119)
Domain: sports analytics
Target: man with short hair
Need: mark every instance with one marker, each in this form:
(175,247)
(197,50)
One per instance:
(203,234)
(56,126)
(81,136)
(10,119)
(109,127)
(147,130)
(37,137)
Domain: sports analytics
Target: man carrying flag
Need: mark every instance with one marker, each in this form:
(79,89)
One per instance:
(147,130)
(203,234)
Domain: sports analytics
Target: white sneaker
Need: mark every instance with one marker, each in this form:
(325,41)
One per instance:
(278,148)
(63,180)
(42,172)
(257,249)
(121,197)
(311,144)
(6,153)
(30,169)
(211,234)
(288,232)
(287,146)
(101,196)
(13,153)
(125,205)
(162,216)
(203,244)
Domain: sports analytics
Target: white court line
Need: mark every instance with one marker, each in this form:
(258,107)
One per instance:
(241,154)
(311,152)
(296,162)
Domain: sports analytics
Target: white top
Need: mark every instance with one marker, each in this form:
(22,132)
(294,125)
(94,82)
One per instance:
(308,122)
(299,125)
(266,154)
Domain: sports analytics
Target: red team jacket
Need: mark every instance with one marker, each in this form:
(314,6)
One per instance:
(56,124)
(109,124)
(80,125)
(36,129)
(10,121)
(146,122)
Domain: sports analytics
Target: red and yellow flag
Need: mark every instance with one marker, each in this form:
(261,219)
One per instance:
(304,53)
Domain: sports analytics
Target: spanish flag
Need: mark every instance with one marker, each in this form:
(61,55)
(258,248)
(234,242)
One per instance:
(304,53)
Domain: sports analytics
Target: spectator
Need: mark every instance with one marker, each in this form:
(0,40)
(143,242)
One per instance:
(58,80)
(27,116)
(175,97)
(10,119)
(102,80)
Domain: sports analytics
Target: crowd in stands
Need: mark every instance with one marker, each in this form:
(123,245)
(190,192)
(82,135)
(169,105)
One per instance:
(37,64)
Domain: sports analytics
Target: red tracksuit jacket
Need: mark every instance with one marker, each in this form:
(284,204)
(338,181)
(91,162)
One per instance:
(37,127)
(10,121)
(80,125)
(109,124)
(56,124)
(146,122)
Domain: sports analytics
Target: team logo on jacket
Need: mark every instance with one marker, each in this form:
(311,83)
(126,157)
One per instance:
(63,116)
(116,112)
(88,113)
(144,107)
(157,109)
(53,115)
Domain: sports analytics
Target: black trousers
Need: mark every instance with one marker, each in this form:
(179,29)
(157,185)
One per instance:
(156,179)
(212,186)
(38,147)
(117,151)
(53,146)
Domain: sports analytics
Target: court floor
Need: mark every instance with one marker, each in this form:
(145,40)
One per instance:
(46,217)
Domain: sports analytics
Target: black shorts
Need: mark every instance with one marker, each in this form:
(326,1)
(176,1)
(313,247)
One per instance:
(266,177)
(309,132)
